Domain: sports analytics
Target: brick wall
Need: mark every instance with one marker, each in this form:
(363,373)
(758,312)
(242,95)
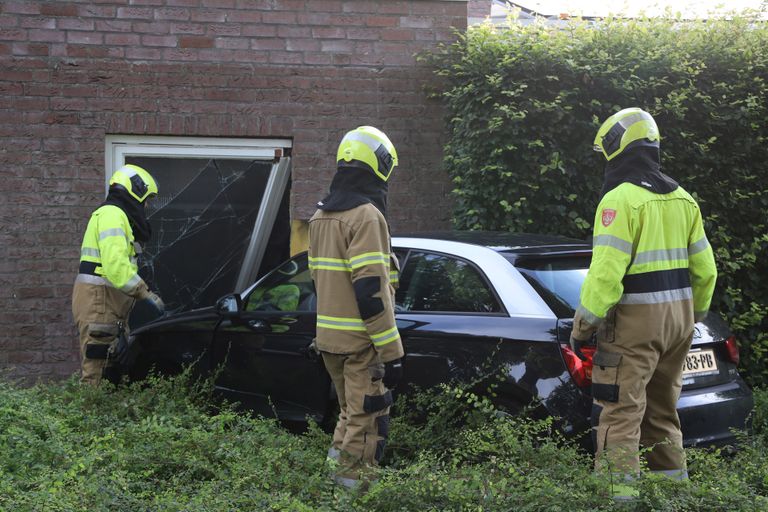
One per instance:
(479,9)
(73,71)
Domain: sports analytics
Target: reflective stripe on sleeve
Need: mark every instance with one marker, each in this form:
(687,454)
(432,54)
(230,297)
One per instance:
(89,279)
(657,297)
(131,284)
(660,255)
(369,258)
(394,276)
(385,337)
(329,264)
(588,316)
(612,241)
(340,323)
(111,232)
(698,246)
(92,253)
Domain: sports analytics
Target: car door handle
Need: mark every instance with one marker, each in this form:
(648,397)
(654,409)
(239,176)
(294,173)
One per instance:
(258,325)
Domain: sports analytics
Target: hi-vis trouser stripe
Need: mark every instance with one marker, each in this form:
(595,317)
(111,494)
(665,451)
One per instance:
(385,337)
(341,265)
(355,324)
(347,265)
(340,323)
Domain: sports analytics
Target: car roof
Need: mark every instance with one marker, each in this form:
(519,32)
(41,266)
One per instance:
(516,244)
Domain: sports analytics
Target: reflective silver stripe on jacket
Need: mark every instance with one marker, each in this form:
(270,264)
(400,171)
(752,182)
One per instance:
(657,297)
(588,316)
(612,241)
(660,255)
(698,246)
(87,251)
(131,284)
(111,232)
(89,279)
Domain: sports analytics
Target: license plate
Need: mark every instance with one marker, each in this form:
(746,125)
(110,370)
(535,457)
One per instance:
(699,362)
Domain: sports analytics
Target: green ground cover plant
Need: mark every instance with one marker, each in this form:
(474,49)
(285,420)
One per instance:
(164,446)
(525,101)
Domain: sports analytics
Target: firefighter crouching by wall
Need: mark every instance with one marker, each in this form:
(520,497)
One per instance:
(652,276)
(107,284)
(350,259)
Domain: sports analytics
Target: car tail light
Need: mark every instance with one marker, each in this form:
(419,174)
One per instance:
(581,371)
(733,349)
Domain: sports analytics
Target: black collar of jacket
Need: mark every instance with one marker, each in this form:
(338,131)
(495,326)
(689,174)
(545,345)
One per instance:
(353,186)
(639,165)
(133,209)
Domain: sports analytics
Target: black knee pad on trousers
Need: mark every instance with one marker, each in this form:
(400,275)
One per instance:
(375,403)
(96,350)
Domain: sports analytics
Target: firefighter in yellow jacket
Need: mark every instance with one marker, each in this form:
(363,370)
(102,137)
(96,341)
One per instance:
(351,263)
(107,284)
(652,276)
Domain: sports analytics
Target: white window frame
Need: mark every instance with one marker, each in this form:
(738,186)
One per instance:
(117,147)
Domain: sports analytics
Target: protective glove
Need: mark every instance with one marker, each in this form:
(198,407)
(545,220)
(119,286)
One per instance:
(393,371)
(156,302)
(576,347)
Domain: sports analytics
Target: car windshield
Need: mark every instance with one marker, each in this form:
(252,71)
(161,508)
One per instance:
(557,279)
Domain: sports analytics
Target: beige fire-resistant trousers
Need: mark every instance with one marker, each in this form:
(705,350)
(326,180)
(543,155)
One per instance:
(637,377)
(364,402)
(97,309)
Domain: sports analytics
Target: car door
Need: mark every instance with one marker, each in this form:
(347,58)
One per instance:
(455,329)
(264,351)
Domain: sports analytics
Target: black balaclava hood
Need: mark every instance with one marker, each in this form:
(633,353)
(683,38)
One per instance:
(133,209)
(354,185)
(639,165)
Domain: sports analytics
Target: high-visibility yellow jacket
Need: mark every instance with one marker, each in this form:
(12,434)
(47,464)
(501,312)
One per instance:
(108,254)
(648,248)
(351,263)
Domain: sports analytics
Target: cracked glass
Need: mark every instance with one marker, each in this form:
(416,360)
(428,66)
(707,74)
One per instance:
(202,220)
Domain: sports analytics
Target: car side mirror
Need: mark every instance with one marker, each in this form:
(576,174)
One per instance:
(229,305)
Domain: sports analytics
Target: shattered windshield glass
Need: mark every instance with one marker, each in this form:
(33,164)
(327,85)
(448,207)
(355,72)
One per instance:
(202,220)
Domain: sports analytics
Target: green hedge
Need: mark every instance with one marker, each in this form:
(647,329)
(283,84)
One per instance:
(524,103)
(161,446)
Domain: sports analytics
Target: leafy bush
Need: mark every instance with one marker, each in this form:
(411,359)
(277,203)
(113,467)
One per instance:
(524,104)
(162,446)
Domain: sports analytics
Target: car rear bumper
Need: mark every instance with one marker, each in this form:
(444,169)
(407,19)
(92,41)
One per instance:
(709,415)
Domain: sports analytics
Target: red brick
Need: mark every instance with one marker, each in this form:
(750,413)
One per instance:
(172,14)
(46,35)
(84,38)
(151,40)
(143,13)
(188,28)
(285,18)
(13,34)
(59,9)
(195,42)
(38,23)
(122,39)
(20,7)
(112,26)
(209,16)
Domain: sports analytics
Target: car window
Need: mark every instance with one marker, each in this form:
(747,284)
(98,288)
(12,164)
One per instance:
(287,288)
(557,280)
(437,282)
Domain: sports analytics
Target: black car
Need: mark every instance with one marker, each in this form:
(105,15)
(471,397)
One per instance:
(472,307)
